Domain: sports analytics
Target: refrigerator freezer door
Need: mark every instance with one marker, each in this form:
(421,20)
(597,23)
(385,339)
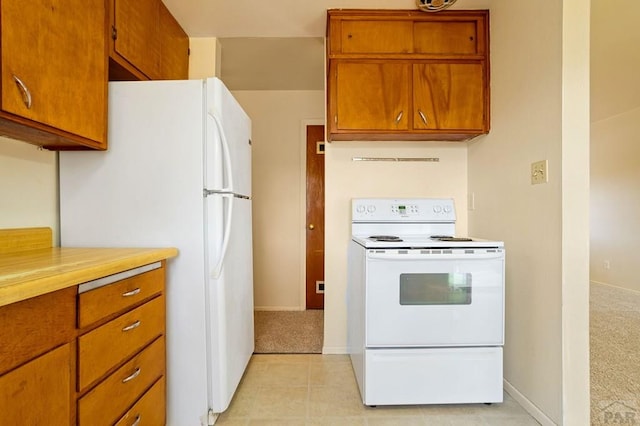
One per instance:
(232,122)
(229,297)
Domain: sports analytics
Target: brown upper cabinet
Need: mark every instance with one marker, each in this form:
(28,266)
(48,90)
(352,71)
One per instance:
(147,43)
(174,47)
(407,75)
(54,73)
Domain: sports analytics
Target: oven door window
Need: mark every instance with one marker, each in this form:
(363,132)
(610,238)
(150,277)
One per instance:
(435,289)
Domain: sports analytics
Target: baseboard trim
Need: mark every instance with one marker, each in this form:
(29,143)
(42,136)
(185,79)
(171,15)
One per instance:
(334,350)
(617,287)
(529,406)
(277,308)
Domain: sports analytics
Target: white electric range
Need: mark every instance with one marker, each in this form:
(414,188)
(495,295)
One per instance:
(425,307)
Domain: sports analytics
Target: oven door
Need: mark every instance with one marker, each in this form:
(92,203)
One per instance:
(448,298)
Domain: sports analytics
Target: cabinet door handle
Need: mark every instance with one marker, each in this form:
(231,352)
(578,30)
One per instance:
(132,376)
(423,117)
(132,326)
(131,293)
(26,94)
(399,117)
(137,421)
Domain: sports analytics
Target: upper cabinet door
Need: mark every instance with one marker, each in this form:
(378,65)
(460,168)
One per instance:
(449,96)
(174,45)
(371,95)
(137,34)
(54,68)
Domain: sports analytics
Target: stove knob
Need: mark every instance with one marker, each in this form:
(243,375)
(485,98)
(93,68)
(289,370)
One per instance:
(371,208)
(447,209)
(360,208)
(437,209)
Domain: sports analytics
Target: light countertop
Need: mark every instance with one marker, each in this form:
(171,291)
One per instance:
(31,273)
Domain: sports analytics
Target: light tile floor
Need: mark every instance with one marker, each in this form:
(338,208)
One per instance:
(320,390)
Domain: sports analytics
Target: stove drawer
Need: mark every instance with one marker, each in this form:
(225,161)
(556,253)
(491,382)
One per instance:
(432,376)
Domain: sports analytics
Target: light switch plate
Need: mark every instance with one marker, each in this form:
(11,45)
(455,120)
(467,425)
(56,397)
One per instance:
(539,173)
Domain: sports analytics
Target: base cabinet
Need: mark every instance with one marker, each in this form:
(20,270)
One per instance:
(93,358)
(121,348)
(39,392)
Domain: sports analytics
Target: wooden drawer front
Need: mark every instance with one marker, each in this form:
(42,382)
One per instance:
(101,302)
(39,392)
(34,326)
(107,401)
(108,345)
(149,410)
(441,38)
(376,36)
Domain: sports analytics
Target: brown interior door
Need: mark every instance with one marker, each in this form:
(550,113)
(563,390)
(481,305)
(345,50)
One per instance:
(315,217)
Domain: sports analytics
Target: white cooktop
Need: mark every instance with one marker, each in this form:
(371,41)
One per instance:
(423,241)
(412,223)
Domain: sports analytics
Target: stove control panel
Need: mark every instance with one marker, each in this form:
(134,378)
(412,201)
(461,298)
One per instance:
(403,210)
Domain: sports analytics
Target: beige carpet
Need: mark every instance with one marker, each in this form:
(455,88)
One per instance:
(289,332)
(615,355)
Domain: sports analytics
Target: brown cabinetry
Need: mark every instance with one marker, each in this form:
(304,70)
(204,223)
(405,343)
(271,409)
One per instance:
(146,42)
(94,358)
(174,47)
(407,75)
(36,360)
(121,347)
(54,73)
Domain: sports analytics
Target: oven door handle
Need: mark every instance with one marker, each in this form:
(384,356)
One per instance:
(424,256)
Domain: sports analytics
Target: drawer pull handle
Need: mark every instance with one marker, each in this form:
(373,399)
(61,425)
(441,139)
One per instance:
(423,117)
(132,326)
(131,377)
(137,422)
(26,94)
(131,293)
(399,117)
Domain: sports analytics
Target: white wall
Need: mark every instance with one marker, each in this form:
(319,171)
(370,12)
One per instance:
(545,308)
(204,57)
(28,186)
(278,149)
(615,200)
(615,160)
(346,179)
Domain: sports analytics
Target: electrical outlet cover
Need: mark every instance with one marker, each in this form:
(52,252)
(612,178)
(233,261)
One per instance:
(539,172)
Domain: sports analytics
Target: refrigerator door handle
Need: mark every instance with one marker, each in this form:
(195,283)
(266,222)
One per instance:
(217,270)
(226,155)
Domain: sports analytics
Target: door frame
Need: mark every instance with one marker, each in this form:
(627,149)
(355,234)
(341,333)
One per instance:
(303,205)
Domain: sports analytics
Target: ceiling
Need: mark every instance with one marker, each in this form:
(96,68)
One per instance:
(274,18)
(269,45)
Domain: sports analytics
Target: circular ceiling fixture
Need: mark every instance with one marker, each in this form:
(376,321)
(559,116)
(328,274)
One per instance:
(434,5)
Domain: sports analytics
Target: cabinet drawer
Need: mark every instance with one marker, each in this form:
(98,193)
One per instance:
(99,303)
(447,38)
(32,327)
(376,36)
(149,410)
(108,345)
(107,401)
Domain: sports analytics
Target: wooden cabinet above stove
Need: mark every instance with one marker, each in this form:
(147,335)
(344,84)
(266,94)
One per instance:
(407,75)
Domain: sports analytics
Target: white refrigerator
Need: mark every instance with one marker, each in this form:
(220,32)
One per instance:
(177,173)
